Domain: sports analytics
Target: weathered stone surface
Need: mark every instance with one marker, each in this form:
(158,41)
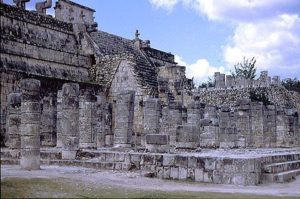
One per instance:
(69,120)
(124,119)
(30,124)
(187,136)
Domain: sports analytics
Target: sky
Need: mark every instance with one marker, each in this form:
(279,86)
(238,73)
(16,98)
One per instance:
(209,35)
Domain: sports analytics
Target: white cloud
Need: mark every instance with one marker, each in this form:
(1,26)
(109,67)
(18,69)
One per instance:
(266,29)
(165,4)
(200,70)
(275,43)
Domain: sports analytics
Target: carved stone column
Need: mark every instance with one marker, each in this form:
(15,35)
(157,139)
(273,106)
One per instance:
(124,119)
(30,124)
(69,120)
(13,123)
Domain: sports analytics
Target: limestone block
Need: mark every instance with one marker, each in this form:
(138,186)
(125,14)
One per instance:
(158,139)
(174,173)
(30,159)
(168,160)
(167,172)
(187,136)
(199,175)
(181,161)
(182,173)
(208,176)
(217,177)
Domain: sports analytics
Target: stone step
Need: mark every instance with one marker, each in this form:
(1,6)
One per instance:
(281,167)
(9,161)
(281,177)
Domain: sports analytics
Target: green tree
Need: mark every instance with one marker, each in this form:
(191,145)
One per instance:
(209,83)
(246,68)
(291,84)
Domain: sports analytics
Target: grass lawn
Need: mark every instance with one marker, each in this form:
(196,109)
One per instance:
(64,188)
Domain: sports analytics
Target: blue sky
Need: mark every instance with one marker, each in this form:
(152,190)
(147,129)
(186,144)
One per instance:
(209,35)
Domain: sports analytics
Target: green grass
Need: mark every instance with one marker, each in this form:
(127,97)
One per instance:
(63,188)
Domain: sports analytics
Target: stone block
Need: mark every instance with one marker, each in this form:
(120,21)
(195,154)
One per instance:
(182,173)
(191,174)
(174,173)
(168,160)
(208,176)
(119,157)
(199,175)
(30,159)
(167,172)
(157,139)
(148,160)
(217,177)
(181,161)
(30,142)
(239,179)
(210,163)
(160,172)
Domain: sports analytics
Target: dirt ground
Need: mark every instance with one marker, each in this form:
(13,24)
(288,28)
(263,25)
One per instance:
(91,178)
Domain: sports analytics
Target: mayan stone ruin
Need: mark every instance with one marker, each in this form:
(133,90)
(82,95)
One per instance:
(72,94)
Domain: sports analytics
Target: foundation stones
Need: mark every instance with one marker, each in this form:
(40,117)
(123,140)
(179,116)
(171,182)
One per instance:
(69,120)
(30,124)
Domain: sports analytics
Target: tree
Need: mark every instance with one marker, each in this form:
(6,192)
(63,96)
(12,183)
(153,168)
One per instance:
(210,83)
(291,84)
(246,68)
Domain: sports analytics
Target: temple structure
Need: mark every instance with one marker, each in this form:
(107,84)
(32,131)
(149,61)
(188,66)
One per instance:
(74,94)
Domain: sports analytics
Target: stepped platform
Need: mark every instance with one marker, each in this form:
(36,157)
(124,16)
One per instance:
(232,166)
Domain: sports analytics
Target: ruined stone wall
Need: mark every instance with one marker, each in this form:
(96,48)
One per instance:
(230,82)
(124,81)
(71,12)
(40,45)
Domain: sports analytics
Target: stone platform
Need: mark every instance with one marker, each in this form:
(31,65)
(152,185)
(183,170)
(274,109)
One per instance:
(235,166)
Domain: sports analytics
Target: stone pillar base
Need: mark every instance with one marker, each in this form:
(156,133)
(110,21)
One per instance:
(30,159)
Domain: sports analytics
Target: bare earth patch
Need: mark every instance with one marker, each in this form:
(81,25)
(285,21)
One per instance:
(57,182)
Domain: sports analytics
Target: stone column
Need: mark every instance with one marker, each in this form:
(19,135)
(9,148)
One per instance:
(270,126)
(124,119)
(243,123)
(48,132)
(209,131)
(98,122)
(58,121)
(194,110)
(86,113)
(13,123)
(257,123)
(174,120)
(227,128)
(281,128)
(69,120)
(151,117)
(30,124)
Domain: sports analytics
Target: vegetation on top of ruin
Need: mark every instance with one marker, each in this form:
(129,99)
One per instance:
(259,95)
(246,68)
(291,84)
(208,84)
